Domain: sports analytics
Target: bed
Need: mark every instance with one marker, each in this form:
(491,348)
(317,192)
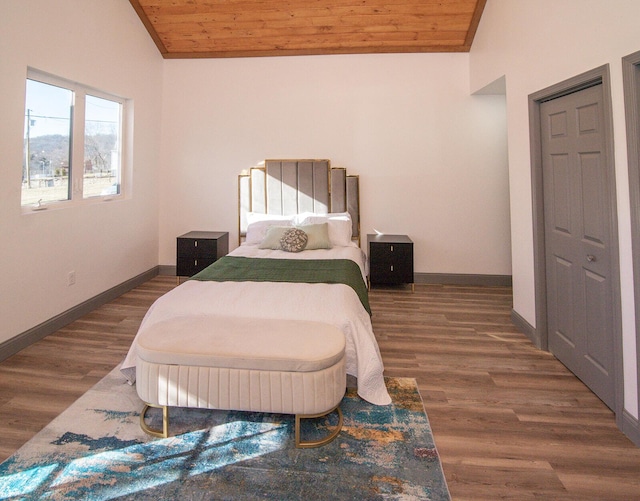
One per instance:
(281,199)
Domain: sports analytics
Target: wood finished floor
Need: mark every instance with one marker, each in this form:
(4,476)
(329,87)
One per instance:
(509,421)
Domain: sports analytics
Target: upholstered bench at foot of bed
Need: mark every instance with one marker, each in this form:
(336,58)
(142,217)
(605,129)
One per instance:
(275,366)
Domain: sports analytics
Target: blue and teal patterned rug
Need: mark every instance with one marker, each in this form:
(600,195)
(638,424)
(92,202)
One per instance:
(96,450)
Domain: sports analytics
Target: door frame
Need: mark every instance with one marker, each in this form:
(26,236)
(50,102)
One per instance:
(631,85)
(596,76)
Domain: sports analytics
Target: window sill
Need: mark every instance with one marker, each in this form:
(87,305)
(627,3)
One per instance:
(69,204)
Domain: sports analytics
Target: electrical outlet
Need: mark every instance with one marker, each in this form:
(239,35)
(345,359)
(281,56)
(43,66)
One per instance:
(71,279)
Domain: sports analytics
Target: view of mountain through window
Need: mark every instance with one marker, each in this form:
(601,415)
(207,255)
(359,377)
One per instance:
(56,120)
(101,147)
(47,134)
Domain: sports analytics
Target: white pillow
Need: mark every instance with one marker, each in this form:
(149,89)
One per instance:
(259,224)
(340,225)
(303,216)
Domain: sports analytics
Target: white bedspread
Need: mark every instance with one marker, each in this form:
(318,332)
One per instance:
(335,304)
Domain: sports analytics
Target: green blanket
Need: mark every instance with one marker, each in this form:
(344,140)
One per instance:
(312,271)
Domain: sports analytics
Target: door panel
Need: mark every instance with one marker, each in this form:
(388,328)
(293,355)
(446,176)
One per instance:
(577,238)
(596,300)
(561,193)
(593,222)
(562,273)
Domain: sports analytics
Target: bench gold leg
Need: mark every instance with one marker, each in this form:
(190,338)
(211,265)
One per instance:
(317,443)
(164,433)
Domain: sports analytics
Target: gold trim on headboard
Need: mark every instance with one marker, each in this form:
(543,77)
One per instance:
(308,193)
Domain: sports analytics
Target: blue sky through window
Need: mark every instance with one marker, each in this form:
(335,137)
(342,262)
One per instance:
(49,109)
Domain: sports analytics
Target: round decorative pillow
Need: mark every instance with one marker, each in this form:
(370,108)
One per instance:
(293,240)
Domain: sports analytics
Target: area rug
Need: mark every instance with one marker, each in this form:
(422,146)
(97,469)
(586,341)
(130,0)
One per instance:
(96,450)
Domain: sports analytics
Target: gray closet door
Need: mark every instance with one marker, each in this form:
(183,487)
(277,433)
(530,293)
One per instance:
(577,209)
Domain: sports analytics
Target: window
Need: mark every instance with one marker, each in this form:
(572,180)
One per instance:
(72,142)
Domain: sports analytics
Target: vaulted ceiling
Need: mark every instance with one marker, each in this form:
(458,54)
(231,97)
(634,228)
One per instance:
(247,28)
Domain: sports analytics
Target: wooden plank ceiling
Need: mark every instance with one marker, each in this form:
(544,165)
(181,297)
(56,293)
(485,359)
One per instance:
(247,28)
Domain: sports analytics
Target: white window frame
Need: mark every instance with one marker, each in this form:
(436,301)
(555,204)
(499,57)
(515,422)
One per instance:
(76,154)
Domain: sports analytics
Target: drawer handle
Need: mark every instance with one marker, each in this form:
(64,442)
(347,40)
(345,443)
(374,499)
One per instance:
(392,248)
(391,267)
(195,243)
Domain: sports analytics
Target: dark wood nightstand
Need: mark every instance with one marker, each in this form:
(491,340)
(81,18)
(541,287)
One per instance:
(390,260)
(198,249)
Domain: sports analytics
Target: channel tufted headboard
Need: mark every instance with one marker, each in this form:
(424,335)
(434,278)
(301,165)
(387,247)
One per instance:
(287,187)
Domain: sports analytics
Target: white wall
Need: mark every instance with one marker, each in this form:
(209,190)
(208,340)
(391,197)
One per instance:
(100,43)
(431,158)
(535,44)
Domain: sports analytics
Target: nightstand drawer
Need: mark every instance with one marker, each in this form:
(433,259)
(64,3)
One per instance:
(197,247)
(187,267)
